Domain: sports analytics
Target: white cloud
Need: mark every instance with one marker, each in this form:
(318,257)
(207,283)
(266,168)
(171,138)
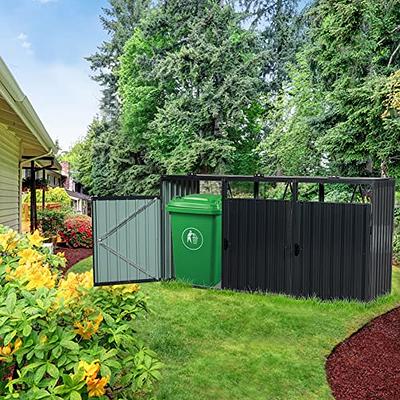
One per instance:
(25,43)
(22,36)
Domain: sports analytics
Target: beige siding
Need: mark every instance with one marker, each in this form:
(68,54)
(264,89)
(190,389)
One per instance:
(10,149)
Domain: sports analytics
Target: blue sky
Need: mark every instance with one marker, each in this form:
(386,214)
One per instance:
(44,43)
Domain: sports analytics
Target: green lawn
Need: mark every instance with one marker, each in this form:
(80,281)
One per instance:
(82,266)
(225,345)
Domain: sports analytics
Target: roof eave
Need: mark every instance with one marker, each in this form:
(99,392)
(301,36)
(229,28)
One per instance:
(10,90)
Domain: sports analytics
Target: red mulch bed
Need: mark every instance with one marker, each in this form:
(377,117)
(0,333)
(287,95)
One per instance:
(366,366)
(74,255)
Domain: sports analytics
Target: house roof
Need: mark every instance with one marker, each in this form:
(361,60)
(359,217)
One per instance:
(78,195)
(19,117)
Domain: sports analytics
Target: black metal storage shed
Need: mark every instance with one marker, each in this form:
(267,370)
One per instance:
(289,245)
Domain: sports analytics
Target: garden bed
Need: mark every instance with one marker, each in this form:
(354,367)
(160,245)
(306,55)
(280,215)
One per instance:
(73,256)
(367,365)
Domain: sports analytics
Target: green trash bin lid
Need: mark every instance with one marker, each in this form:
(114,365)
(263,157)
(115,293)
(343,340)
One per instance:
(209,204)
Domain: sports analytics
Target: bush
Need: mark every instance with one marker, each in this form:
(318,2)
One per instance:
(61,338)
(77,231)
(52,221)
(53,195)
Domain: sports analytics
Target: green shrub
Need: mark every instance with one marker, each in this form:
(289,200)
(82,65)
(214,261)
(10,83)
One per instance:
(52,195)
(52,221)
(61,338)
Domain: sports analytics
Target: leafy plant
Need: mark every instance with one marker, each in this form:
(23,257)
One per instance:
(338,115)
(61,338)
(53,195)
(52,221)
(77,231)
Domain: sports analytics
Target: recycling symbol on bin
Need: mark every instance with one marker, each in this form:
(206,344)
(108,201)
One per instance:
(192,238)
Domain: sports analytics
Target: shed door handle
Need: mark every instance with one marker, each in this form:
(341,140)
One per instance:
(297,249)
(226,244)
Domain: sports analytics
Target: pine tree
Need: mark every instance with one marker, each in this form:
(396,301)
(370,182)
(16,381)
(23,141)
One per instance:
(279,22)
(193,96)
(119,21)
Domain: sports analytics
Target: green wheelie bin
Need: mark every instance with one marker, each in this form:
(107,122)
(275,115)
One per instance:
(196,238)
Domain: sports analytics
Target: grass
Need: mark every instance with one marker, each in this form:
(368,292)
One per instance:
(82,266)
(225,345)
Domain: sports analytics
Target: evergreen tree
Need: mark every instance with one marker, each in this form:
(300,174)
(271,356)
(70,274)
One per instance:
(279,22)
(348,72)
(119,21)
(112,152)
(191,82)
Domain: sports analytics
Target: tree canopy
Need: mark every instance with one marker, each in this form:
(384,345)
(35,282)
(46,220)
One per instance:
(243,86)
(336,113)
(191,88)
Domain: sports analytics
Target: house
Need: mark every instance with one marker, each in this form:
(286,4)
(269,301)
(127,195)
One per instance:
(80,201)
(24,143)
(51,178)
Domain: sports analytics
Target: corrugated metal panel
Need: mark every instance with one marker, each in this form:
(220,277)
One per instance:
(297,248)
(382,235)
(169,190)
(127,240)
(9,180)
(333,261)
(331,250)
(256,255)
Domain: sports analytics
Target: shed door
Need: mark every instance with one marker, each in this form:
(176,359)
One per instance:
(257,245)
(332,241)
(127,240)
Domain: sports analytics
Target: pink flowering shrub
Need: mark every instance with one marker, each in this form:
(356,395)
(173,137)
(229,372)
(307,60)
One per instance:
(77,231)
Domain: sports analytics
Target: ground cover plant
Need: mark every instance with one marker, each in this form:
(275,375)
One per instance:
(53,346)
(82,266)
(226,345)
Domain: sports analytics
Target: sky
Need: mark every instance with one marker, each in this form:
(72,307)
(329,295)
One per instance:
(44,43)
